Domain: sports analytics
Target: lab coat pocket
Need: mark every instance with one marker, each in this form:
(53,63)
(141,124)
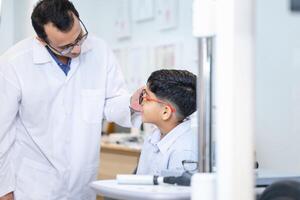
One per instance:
(34,181)
(92,102)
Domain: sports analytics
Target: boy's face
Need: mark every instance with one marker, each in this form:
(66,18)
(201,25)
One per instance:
(153,109)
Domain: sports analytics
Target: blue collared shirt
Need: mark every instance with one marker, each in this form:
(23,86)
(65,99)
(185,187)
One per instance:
(166,154)
(63,66)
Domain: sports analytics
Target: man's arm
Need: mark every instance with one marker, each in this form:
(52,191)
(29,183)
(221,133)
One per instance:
(9,104)
(118,100)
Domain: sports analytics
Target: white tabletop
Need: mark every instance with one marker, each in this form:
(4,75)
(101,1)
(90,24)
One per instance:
(111,189)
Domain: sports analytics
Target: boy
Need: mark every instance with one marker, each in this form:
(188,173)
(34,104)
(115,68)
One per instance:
(167,100)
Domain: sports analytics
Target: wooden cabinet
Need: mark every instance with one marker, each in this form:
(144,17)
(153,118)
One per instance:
(117,159)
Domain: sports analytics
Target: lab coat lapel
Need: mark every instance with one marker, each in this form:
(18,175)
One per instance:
(40,53)
(43,59)
(76,62)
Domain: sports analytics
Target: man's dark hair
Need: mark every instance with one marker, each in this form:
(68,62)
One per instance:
(176,86)
(58,12)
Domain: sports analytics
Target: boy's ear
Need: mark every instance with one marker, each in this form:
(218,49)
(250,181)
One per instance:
(166,113)
(41,40)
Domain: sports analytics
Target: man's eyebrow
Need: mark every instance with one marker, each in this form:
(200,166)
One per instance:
(77,39)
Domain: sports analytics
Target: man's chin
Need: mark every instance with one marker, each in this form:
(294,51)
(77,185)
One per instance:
(73,55)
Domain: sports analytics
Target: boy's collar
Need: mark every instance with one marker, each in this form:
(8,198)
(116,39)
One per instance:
(165,143)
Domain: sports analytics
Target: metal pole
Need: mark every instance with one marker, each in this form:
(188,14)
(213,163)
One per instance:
(204,98)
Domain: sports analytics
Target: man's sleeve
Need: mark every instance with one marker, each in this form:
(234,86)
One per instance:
(117,100)
(9,104)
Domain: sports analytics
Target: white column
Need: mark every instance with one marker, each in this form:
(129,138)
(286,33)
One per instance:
(234,99)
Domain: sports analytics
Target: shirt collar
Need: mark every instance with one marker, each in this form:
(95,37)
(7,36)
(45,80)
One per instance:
(60,63)
(155,137)
(41,55)
(164,144)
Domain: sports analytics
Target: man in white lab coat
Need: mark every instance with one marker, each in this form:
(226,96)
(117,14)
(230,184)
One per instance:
(55,90)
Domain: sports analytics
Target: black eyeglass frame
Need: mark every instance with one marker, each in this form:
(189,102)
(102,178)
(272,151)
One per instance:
(69,49)
(184,162)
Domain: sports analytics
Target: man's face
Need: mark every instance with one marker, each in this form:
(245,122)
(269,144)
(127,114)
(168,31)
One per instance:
(58,41)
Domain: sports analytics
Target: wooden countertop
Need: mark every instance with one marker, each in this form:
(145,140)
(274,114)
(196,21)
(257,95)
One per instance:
(119,149)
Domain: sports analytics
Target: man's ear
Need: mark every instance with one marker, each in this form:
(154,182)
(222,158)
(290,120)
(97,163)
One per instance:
(166,113)
(41,40)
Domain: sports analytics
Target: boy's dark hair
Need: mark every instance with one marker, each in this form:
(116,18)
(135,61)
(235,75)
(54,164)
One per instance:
(59,12)
(177,87)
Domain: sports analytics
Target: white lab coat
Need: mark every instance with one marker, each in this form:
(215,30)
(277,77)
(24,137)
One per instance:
(50,123)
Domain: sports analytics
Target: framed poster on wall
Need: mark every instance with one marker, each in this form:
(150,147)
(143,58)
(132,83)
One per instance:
(167,56)
(142,10)
(167,14)
(122,22)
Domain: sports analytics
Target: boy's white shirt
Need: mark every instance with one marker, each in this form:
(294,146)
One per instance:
(167,154)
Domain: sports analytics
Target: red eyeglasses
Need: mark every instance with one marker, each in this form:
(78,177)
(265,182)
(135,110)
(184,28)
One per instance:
(143,96)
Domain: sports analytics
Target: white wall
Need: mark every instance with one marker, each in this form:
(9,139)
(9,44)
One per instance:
(278,85)
(6,25)
(100,15)
(23,10)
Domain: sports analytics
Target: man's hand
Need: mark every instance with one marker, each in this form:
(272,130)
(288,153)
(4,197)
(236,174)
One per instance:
(9,196)
(134,101)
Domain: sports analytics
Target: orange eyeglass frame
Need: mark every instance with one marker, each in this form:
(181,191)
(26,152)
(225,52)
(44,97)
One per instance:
(143,97)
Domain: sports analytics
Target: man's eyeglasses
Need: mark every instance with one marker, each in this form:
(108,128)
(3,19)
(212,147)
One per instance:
(190,165)
(143,97)
(78,42)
